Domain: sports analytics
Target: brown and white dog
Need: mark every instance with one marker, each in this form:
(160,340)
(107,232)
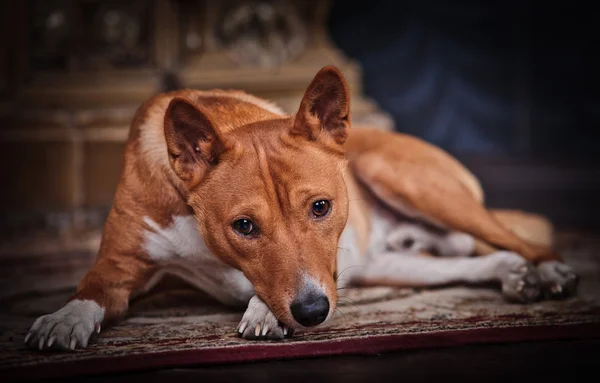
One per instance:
(262,209)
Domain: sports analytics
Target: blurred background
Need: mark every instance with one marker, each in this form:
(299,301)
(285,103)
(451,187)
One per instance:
(509,87)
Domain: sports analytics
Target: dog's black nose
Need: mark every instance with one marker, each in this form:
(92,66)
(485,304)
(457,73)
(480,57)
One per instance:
(310,310)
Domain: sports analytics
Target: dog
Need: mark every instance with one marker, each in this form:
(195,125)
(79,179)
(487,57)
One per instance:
(264,210)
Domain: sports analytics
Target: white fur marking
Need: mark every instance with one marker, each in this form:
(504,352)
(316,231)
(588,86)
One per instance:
(67,328)
(182,252)
(153,145)
(181,238)
(349,258)
(382,223)
(426,271)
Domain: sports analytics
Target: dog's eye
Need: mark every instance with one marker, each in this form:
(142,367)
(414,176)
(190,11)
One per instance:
(321,208)
(243,226)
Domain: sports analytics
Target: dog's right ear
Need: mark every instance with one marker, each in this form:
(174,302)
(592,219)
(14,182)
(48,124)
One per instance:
(194,143)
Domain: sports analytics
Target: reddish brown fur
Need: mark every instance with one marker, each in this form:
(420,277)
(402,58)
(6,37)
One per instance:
(256,150)
(290,242)
(271,166)
(402,168)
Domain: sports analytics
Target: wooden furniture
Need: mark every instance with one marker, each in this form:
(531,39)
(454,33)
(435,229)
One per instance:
(74,71)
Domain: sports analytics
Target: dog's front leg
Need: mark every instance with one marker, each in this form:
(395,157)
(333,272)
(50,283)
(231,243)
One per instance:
(519,279)
(259,323)
(102,296)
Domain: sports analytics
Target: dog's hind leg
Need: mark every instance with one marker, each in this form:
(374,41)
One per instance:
(519,278)
(425,191)
(558,279)
(419,180)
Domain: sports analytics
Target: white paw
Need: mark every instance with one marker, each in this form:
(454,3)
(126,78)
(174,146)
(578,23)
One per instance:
(68,328)
(521,284)
(259,323)
(558,279)
(520,279)
(457,244)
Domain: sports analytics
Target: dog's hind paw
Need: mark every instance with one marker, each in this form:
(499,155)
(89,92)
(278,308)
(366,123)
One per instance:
(259,323)
(558,279)
(68,328)
(522,284)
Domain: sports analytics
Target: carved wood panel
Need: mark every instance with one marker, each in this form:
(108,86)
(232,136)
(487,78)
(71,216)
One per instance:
(80,35)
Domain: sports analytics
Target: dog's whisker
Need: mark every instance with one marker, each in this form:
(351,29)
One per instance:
(354,309)
(344,280)
(343,249)
(349,267)
(347,298)
(347,301)
(343,316)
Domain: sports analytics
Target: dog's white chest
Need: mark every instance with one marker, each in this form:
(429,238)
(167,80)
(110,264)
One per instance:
(349,257)
(181,239)
(180,250)
(351,260)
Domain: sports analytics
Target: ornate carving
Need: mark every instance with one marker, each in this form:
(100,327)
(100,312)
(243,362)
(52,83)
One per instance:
(263,34)
(118,32)
(50,31)
(72,35)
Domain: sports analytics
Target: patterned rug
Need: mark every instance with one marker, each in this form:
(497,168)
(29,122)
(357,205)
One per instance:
(176,326)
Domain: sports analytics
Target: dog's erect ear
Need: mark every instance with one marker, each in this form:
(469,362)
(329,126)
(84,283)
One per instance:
(325,108)
(193,142)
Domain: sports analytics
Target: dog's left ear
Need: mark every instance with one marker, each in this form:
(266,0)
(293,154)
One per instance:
(325,108)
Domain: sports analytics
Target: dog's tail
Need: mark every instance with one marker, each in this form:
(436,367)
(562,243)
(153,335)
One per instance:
(532,228)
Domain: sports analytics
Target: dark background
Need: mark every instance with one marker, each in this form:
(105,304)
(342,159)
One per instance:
(495,77)
(509,87)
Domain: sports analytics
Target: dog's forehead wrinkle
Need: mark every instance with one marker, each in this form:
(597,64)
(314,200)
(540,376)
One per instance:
(275,171)
(268,179)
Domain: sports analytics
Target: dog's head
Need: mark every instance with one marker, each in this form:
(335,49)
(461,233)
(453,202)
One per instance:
(270,196)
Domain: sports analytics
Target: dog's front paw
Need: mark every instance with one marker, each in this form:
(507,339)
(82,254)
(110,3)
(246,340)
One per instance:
(68,328)
(521,283)
(558,279)
(259,323)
